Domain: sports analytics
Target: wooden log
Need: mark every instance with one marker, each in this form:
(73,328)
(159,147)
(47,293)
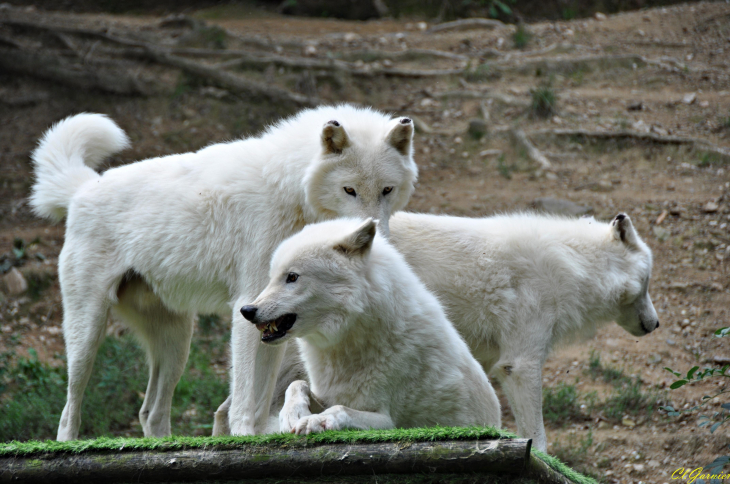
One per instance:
(503,457)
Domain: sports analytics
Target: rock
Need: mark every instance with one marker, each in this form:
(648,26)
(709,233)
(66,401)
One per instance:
(309,50)
(721,360)
(604,186)
(639,467)
(653,464)
(710,207)
(477,128)
(704,104)
(602,425)
(422,26)
(660,233)
(458,140)
(689,98)
(556,205)
(14,282)
(556,120)
(627,422)
(635,106)
(671,342)
(640,126)
(599,16)
(350,37)
(654,359)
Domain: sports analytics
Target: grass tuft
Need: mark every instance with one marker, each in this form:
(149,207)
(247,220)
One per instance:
(544,101)
(521,37)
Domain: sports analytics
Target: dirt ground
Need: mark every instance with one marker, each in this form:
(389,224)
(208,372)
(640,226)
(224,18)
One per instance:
(661,74)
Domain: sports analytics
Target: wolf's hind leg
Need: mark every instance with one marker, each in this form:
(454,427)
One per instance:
(166,336)
(85,313)
(340,417)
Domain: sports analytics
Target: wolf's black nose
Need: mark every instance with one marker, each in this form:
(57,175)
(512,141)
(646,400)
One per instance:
(249,312)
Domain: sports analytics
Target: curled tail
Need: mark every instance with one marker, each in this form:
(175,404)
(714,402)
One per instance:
(66,157)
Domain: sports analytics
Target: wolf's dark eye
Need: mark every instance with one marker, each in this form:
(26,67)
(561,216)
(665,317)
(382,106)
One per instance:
(292,277)
(350,191)
(387,190)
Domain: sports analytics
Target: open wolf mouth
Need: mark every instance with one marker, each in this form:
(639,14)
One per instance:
(276,328)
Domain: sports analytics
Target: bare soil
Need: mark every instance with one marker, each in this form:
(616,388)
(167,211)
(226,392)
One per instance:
(601,79)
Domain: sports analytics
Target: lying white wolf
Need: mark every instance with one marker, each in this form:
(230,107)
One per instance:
(517,285)
(375,342)
(165,238)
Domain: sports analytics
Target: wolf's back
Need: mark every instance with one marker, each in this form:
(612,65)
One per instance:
(66,157)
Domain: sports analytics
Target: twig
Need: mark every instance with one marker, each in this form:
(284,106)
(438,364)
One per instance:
(466,24)
(532,152)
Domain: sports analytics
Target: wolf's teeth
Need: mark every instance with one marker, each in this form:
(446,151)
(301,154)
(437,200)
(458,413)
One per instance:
(273,325)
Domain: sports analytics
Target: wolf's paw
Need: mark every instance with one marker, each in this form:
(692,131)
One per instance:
(292,413)
(314,424)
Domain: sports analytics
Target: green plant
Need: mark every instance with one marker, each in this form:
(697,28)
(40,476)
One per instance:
(543,101)
(568,13)
(609,374)
(504,169)
(113,396)
(716,419)
(561,404)
(521,37)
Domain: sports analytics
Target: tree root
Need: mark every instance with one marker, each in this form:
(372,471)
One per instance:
(532,152)
(698,143)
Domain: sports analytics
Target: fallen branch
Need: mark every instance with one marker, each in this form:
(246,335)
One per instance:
(649,136)
(497,96)
(501,457)
(159,55)
(54,68)
(532,152)
(466,24)
(405,54)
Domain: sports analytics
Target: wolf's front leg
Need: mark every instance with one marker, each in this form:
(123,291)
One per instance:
(339,417)
(255,367)
(521,379)
(296,405)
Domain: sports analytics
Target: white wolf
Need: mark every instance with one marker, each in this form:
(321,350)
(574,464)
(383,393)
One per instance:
(375,342)
(517,285)
(164,238)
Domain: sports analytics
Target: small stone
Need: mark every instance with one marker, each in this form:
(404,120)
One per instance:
(477,128)
(721,360)
(689,98)
(660,233)
(558,206)
(490,153)
(350,37)
(654,359)
(387,63)
(671,342)
(14,282)
(659,130)
(653,464)
(640,126)
(569,33)
(602,425)
(704,104)
(599,16)
(604,186)
(627,422)
(556,120)
(309,50)
(458,140)
(422,26)
(710,207)
(639,467)
(641,33)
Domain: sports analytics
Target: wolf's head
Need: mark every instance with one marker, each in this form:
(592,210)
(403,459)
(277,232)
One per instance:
(636,314)
(316,282)
(365,168)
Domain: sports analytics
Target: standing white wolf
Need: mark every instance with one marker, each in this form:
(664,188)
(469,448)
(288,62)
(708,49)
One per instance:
(517,285)
(162,239)
(376,343)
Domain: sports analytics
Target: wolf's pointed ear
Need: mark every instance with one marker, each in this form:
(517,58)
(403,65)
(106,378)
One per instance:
(401,136)
(623,230)
(334,137)
(360,241)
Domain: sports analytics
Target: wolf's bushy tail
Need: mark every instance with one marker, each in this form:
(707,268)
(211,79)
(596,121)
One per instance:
(66,157)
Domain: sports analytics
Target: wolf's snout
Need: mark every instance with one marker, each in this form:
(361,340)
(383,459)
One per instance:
(657,325)
(249,312)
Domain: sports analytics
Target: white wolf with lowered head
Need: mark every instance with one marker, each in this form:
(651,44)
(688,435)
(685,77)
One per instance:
(160,240)
(376,344)
(517,285)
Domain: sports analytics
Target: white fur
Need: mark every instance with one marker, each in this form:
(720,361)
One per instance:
(375,342)
(517,285)
(162,239)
